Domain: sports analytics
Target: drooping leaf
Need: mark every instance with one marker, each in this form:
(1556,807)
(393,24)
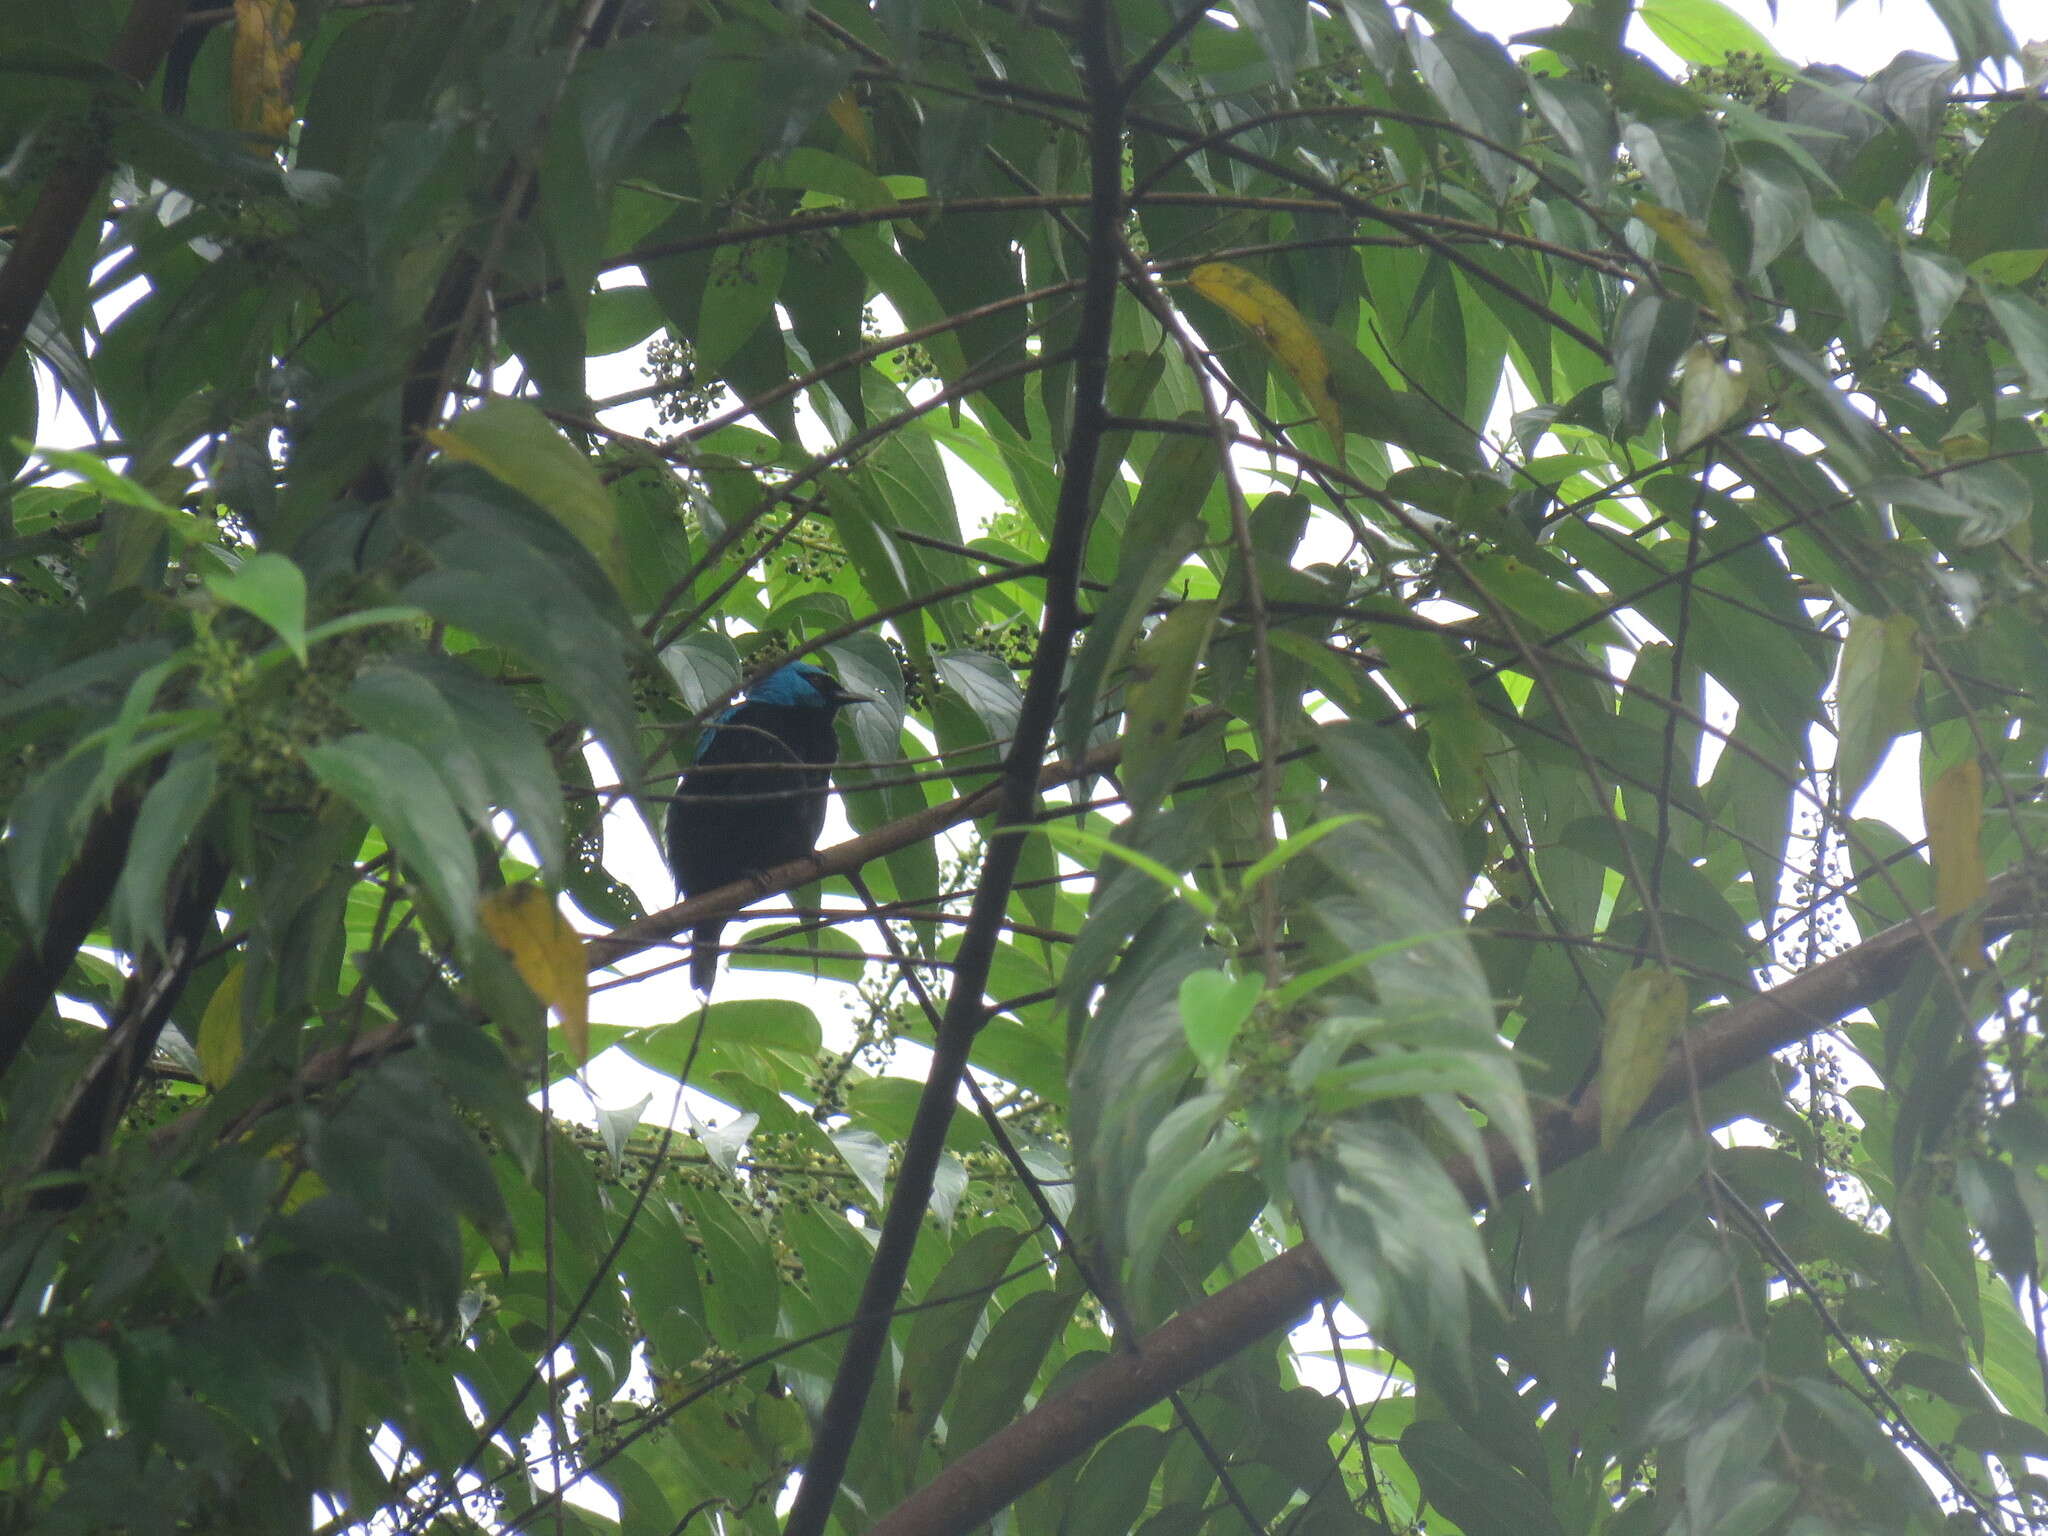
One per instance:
(1644,1017)
(522,921)
(516,444)
(1162,674)
(1880,675)
(393,785)
(1270,316)
(1650,334)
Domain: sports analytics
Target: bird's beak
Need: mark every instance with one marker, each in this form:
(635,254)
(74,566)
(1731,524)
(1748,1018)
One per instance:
(840,695)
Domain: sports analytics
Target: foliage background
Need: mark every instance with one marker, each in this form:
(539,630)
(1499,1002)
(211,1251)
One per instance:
(1473,520)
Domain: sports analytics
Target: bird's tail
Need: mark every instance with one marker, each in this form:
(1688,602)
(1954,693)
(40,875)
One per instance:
(704,955)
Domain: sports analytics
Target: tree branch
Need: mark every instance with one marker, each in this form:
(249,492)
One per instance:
(85,1123)
(66,196)
(324,1068)
(996,1472)
(38,967)
(1018,791)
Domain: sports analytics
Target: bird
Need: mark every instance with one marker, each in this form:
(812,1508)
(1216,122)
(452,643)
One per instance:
(753,795)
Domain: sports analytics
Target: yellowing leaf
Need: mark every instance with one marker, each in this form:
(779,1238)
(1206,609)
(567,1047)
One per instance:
(513,442)
(2009,267)
(262,66)
(1710,395)
(220,1030)
(1703,259)
(1643,1018)
(1266,312)
(302,1184)
(1955,826)
(524,922)
(846,113)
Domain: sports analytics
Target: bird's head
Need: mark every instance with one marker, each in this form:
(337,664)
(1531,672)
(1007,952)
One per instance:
(803,686)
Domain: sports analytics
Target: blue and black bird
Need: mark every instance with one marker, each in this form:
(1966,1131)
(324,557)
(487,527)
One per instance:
(754,794)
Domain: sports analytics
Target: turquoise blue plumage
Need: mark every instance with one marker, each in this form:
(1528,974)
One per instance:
(754,793)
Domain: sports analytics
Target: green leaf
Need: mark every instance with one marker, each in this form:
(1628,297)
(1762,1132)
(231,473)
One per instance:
(1165,527)
(1291,847)
(274,589)
(398,789)
(1774,196)
(1645,1014)
(1664,1160)
(773,1024)
(1481,1494)
(1192,1147)
(706,667)
(118,488)
(1948,1379)
(939,1335)
(495,736)
(1579,114)
(220,1043)
(500,582)
(1213,1008)
(1856,259)
(621,318)
(738,296)
(1703,31)
(1702,1376)
(889,569)
(1075,839)
(1880,677)
(1935,281)
(516,444)
(398,702)
(1996,206)
(170,812)
(1393,1229)
(1479,85)
(987,686)
(1373,409)
(1976,29)
(1680,158)
(807,79)
(1650,334)
(2025,324)
(1162,676)
(1689,1274)
(1111,1492)
(992,1391)
(96,1372)
(1728,1486)
(1282,30)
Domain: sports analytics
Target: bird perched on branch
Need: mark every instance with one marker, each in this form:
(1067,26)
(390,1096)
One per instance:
(754,794)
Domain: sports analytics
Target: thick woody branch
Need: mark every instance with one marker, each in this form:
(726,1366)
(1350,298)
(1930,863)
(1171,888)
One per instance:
(985,1480)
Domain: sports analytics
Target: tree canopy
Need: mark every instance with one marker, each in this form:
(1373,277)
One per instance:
(1458,653)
